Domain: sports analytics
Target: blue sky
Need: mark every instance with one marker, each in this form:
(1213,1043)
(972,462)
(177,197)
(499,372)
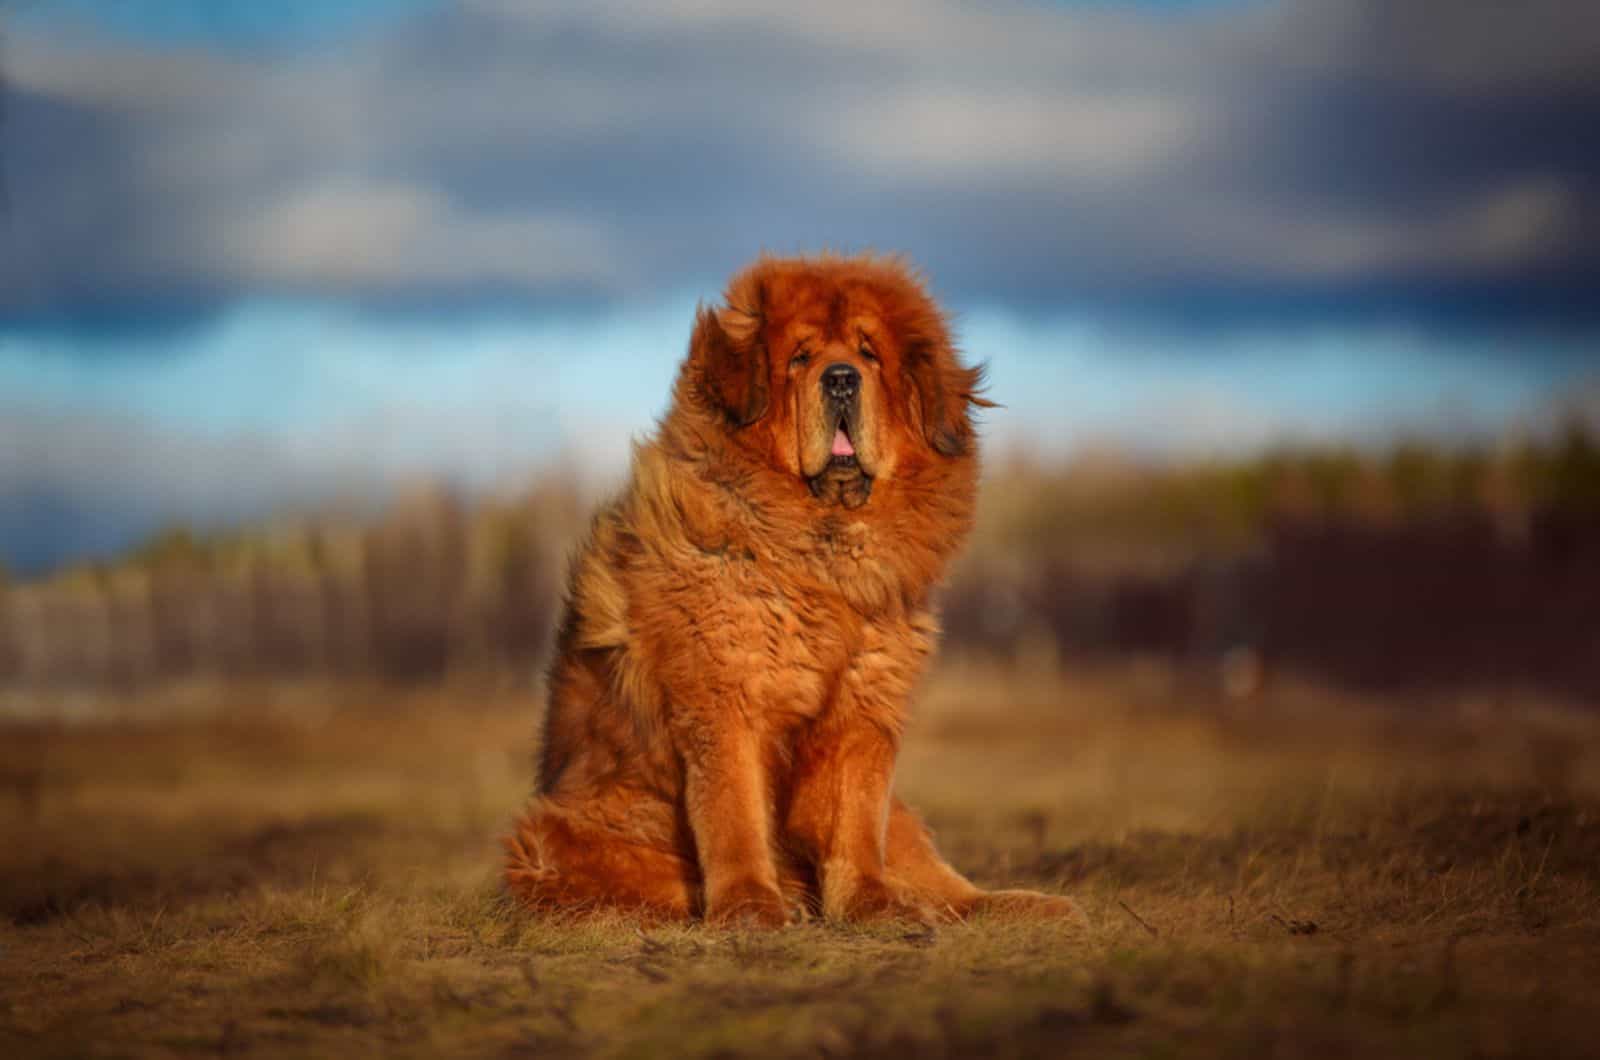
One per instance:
(260,257)
(218,23)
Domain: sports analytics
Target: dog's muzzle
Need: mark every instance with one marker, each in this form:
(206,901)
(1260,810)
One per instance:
(843,480)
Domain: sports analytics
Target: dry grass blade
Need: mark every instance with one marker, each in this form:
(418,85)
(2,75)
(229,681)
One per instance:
(1141,921)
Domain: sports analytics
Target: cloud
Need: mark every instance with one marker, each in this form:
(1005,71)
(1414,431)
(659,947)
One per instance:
(1040,153)
(1505,227)
(1455,46)
(388,235)
(76,485)
(970,134)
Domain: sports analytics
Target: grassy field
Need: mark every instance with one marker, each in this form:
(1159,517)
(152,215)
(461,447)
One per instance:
(1311,875)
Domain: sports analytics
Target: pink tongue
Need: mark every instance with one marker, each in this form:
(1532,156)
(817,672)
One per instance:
(841,443)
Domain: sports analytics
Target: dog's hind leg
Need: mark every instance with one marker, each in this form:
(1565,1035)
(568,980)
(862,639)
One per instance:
(558,862)
(912,862)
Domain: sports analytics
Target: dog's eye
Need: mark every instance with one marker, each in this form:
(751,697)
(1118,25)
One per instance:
(800,360)
(867,354)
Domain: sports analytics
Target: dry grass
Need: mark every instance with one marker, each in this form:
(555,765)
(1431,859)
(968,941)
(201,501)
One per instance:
(1319,877)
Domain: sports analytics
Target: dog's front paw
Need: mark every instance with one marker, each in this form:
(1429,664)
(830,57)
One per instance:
(747,903)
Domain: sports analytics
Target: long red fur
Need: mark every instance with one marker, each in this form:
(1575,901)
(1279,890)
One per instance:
(744,626)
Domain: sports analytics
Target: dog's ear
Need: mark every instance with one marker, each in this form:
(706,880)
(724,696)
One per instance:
(731,358)
(944,390)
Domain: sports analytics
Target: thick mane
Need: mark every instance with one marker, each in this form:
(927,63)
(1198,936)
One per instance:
(692,485)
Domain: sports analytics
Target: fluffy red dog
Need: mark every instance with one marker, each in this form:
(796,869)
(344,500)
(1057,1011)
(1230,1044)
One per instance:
(745,623)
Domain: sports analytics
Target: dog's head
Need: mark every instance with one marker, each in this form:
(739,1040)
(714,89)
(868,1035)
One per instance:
(838,371)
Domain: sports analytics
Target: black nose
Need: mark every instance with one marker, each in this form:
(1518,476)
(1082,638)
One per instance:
(840,381)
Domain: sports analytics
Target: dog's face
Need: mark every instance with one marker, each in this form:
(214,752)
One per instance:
(838,371)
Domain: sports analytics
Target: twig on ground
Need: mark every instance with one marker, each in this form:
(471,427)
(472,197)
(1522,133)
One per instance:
(651,945)
(1141,921)
(1293,926)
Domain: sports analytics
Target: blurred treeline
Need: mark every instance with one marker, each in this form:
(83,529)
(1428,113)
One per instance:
(1421,565)
(431,587)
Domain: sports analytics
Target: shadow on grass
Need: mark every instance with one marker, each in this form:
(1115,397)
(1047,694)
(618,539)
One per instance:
(177,865)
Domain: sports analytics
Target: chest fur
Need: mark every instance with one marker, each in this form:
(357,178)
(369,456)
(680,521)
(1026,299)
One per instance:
(786,643)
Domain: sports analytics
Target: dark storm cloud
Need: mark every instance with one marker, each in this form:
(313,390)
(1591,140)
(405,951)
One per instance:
(1435,154)
(75,485)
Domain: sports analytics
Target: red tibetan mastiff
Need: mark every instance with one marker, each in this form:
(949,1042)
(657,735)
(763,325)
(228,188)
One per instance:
(744,625)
